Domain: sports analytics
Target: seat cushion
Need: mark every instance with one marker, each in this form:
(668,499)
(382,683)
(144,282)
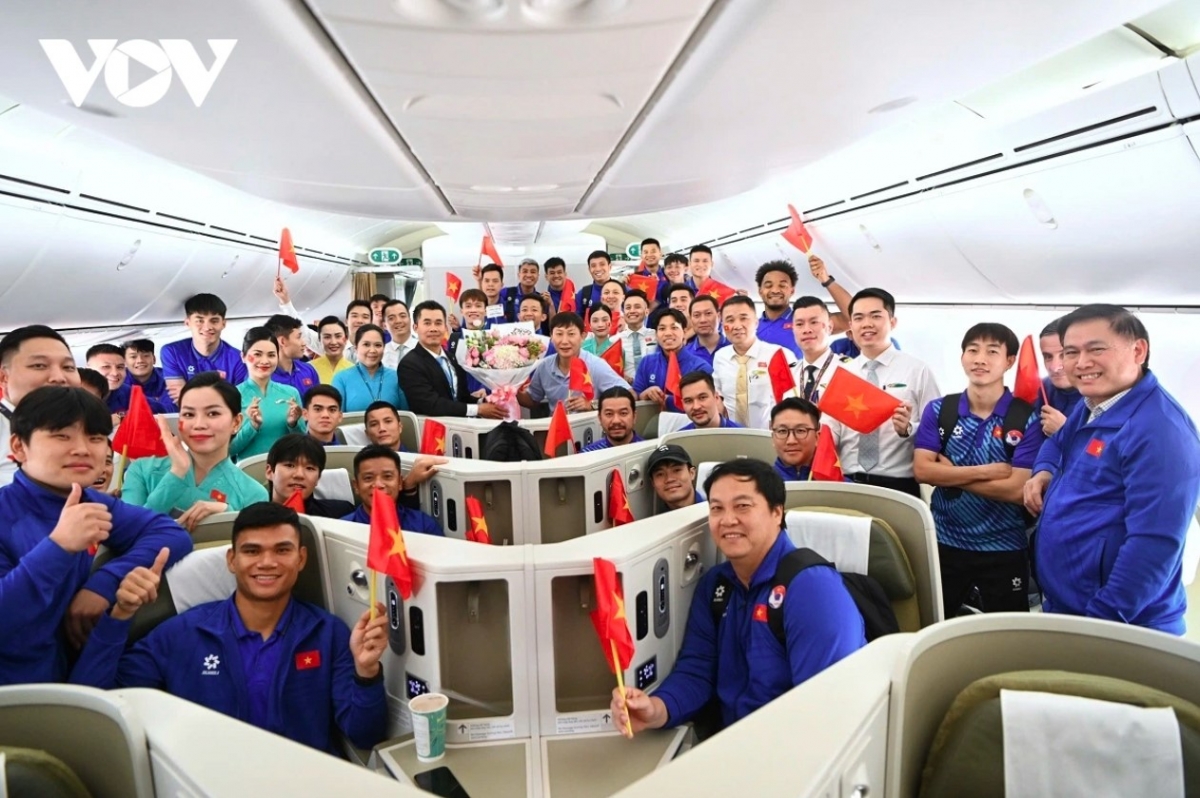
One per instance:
(887,562)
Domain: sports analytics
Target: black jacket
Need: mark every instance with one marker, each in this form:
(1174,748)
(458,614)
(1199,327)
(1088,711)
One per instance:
(424,384)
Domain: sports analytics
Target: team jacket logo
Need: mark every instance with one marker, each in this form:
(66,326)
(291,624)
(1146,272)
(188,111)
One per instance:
(211,664)
(1013,437)
(776,597)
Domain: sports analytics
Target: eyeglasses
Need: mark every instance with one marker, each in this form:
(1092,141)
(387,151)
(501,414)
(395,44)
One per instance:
(782,433)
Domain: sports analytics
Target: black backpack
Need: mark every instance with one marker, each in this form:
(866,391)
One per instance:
(879,618)
(509,442)
(1016,418)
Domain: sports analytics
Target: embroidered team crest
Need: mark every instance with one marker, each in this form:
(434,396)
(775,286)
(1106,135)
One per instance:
(760,612)
(776,597)
(1013,437)
(211,665)
(1095,447)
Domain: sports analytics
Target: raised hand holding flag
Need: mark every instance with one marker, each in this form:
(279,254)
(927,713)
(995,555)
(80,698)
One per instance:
(287,254)
(796,234)
(386,551)
(1028,382)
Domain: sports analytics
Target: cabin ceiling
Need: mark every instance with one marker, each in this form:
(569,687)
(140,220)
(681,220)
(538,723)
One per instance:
(511,111)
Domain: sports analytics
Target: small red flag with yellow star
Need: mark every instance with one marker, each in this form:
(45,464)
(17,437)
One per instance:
(386,552)
(612,627)
(296,501)
(433,438)
(858,404)
(580,380)
(453,286)
(618,500)
(477,530)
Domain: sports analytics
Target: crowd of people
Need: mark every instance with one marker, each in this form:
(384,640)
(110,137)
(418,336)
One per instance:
(1071,482)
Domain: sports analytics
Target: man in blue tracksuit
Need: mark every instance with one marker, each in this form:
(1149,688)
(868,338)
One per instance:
(260,656)
(49,525)
(1117,486)
(738,659)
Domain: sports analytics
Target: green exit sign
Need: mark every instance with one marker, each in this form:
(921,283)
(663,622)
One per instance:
(385,255)
(634,251)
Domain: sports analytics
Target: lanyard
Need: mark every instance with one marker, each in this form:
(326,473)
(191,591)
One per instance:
(816,389)
(376,395)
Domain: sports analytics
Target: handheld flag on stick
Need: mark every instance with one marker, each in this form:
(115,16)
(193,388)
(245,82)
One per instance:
(716,289)
(385,550)
(567,303)
(1029,379)
(287,254)
(559,432)
(433,438)
(580,380)
(477,532)
(139,435)
(453,286)
(671,382)
(611,624)
(488,247)
(858,404)
(796,234)
(296,501)
(615,357)
(618,500)
(826,465)
(647,284)
(780,372)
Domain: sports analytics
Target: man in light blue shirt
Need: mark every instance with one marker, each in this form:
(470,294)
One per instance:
(551,380)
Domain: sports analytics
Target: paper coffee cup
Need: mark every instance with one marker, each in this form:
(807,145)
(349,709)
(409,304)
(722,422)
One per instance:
(429,725)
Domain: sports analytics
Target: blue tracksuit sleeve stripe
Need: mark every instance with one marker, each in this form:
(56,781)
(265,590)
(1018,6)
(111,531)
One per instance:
(821,621)
(692,682)
(360,711)
(137,537)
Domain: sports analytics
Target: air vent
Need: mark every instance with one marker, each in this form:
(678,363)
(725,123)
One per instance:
(94,198)
(879,190)
(12,179)
(955,168)
(1079,131)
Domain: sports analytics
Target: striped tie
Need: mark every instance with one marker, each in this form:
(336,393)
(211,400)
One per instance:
(868,444)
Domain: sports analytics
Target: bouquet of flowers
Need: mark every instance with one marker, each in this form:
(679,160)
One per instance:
(502,362)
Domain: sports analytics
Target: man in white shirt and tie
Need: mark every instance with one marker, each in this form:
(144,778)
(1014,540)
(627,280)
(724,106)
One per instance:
(812,327)
(741,370)
(399,326)
(636,338)
(884,457)
(434,384)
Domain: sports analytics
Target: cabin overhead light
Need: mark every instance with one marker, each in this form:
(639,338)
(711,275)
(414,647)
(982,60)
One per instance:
(475,7)
(570,11)
(541,187)
(892,105)
(133,250)
(862,228)
(492,189)
(1040,212)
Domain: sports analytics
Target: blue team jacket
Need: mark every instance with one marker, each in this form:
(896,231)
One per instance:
(1110,539)
(38,579)
(195,656)
(740,661)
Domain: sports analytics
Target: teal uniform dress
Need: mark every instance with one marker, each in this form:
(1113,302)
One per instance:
(274,404)
(150,483)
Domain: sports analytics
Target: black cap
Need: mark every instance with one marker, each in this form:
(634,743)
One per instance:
(667,453)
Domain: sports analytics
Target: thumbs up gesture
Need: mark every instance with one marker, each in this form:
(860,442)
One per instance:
(81,524)
(139,587)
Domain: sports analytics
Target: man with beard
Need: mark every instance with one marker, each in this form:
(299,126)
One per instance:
(617,412)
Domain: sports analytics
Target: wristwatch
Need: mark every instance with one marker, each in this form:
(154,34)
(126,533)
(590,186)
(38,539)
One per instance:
(828,282)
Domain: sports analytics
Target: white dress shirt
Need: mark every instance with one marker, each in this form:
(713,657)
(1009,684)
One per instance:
(907,379)
(826,365)
(761,393)
(8,468)
(393,352)
(649,339)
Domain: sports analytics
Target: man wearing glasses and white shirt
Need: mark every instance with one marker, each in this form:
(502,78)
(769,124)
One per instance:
(795,428)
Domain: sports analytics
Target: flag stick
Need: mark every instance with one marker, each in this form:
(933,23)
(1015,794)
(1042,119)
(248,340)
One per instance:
(371,576)
(278,267)
(1045,401)
(121,471)
(621,685)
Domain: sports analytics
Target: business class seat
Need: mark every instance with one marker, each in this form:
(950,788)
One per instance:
(718,445)
(31,771)
(335,457)
(355,431)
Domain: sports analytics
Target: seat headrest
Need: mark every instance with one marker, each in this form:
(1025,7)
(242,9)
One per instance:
(335,484)
(702,472)
(201,577)
(887,562)
(670,422)
(355,434)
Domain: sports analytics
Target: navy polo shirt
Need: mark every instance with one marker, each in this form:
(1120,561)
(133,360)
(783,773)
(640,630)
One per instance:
(791,473)
(302,377)
(779,332)
(260,661)
(604,443)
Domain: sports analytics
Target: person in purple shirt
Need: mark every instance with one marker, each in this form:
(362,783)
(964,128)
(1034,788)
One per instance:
(795,428)
(1057,388)
(204,315)
(703,405)
(109,361)
(706,322)
(650,382)
(291,370)
(379,467)
(776,281)
(674,272)
(600,267)
(141,368)
(617,411)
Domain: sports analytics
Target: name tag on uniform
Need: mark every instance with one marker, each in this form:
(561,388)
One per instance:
(495,311)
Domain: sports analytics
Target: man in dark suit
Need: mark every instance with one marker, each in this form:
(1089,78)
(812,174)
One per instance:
(433,382)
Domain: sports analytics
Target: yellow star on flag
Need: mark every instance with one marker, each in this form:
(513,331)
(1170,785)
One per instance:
(587,378)
(308,660)
(398,549)
(439,445)
(856,405)
(715,294)
(479,525)
(620,602)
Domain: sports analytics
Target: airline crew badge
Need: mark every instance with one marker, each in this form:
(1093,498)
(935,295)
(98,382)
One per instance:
(776,597)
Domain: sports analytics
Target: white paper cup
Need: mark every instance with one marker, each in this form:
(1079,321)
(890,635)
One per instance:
(428,713)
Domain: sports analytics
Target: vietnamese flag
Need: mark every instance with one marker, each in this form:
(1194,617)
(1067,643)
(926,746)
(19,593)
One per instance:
(581,379)
(566,304)
(478,531)
(488,247)
(618,500)
(559,432)
(453,286)
(645,283)
(615,357)
(386,552)
(615,325)
(296,501)
(287,252)
(717,290)
(671,382)
(612,626)
(826,465)
(433,438)
(780,372)
(138,434)
(1028,383)
(858,404)
(796,234)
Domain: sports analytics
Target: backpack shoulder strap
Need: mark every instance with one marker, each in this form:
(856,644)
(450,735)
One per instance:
(947,419)
(789,568)
(1016,418)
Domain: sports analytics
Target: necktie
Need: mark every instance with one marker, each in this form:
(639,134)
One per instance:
(742,394)
(637,347)
(810,382)
(445,364)
(868,444)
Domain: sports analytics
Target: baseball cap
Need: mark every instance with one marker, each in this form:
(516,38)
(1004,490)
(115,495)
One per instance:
(667,453)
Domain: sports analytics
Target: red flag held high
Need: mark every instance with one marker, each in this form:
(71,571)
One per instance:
(615,357)
(580,380)
(453,286)
(826,465)
(488,247)
(477,532)
(1029,379)
(287,252)
(618,500)
(609,618)
(716,289)
(138,435)
(567,302)
(780,372)
(385,551)
(671,383)
(296,501)
(796,235)
(647,284)
(858,404)
(433,438)
(559,432)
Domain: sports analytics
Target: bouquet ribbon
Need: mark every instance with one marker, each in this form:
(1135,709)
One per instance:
(505,396)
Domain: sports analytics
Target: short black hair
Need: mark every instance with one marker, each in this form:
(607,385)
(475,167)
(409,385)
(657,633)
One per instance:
(746,469)
(95,379)
(693,377)
(491,267)
(568,318)
(55,407)
(281,326)
(139,345)
(552,263)
(737,299)
(104,349)
(358,303)
(1120,321)
(430,305)
(808,301)
(704,298)
(673,313)
(375,451)
(366,328)
(796,403)
(12,342)
(990,331)
(616,392)
(213,379)
(264,515)
(294,447)
(700,248)
(675,257)
(205,303)
(333,320)
(392,303)
(1051,328)
(599,253)
(782,266)
(321,389)
(541,300)
(256,335)
(889,301)
(379,404)
(654,241)
(378,298)
(673,287)
(635,293)
(471,294)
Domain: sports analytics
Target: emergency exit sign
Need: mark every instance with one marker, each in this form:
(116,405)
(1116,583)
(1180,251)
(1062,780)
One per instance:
(384,255)
(634,251)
